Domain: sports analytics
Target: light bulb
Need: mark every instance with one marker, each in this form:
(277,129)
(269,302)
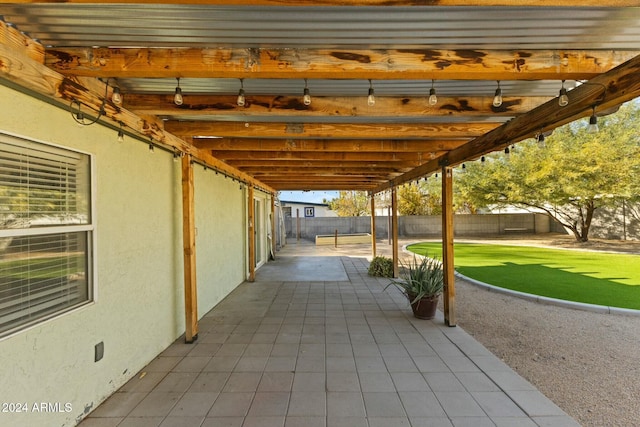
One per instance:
(116,97)
(306,99)
(371,98)
(541,142)
(593,124)
(177,97)
(151,148)
(497,98)
(563,99)
(241,98)
(120,136)
(433,98)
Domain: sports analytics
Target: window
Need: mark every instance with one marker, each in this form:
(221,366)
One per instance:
(46,231)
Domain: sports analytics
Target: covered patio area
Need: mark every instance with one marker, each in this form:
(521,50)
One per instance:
(309,346)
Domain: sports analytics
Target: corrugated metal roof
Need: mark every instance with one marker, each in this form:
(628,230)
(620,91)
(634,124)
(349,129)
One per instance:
(367,27)
(392,28)
(153,25)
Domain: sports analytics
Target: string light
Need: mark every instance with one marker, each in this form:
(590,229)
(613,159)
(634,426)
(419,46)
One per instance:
(593,122)
(433,98)
(371,98)
(116,96)
(563,98)
(306,98)
(120,134)
(497,98)
(177,96)
(541,142)
(241,96)
(75,108)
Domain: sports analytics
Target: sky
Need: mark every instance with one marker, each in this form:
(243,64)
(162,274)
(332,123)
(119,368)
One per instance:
(307,196)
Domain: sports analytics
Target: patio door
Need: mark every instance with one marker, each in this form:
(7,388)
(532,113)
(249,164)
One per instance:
(259,231)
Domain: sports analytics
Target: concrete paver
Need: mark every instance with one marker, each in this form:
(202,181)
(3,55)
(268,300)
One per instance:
(317,342)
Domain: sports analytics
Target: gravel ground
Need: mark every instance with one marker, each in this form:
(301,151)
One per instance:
(587,363)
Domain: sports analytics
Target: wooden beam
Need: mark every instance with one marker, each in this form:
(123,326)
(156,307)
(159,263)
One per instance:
(300,63)
(394,230)
(14,39)
(245,165)
(608,90)
(320,186)
(322,156)
(189,249)
(328,130)
(378,3)
(447,248)
(18,67)
(328,145)
(318,171)
(292,106)
(252,234)
(326,183)
(373,225)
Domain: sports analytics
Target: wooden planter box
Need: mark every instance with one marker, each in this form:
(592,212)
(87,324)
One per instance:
(343,239)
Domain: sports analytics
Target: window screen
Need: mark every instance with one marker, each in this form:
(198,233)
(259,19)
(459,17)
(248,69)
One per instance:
(45,232)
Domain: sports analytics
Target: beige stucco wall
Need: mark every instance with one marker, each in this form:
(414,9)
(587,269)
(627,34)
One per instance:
(220,243)
(139,306)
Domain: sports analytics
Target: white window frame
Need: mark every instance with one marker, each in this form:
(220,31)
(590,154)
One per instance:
(88,228)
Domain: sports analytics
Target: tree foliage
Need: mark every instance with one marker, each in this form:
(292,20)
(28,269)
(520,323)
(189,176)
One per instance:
(351,203)
(568,178)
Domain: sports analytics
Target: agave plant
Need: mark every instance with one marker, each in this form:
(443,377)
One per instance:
(420,278)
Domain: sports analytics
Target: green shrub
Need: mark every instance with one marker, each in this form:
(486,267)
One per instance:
(381,267)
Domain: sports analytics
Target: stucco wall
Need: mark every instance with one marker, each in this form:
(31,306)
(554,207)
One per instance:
(220,236)
(139,291)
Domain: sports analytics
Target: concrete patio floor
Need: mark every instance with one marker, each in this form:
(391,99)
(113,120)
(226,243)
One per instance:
(316,342)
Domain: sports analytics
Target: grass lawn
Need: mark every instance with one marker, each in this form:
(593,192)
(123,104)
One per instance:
(589,277)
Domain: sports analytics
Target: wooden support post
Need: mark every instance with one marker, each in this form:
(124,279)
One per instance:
(189,247)
(373,225)
(252,235)
(394,227)
(447,247)
(273,226)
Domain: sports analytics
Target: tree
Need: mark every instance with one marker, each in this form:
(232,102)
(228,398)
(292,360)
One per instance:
(568,178)
(351,203)
(411,200)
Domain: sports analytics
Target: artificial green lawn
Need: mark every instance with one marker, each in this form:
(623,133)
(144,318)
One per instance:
(589,277)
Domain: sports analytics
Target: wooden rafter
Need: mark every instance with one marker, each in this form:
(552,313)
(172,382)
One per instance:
(313,164)
(325,156)
(18,66)
(335,107)
(328,145)
(612,88)
(328,130)
(381,3)
(383,64)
